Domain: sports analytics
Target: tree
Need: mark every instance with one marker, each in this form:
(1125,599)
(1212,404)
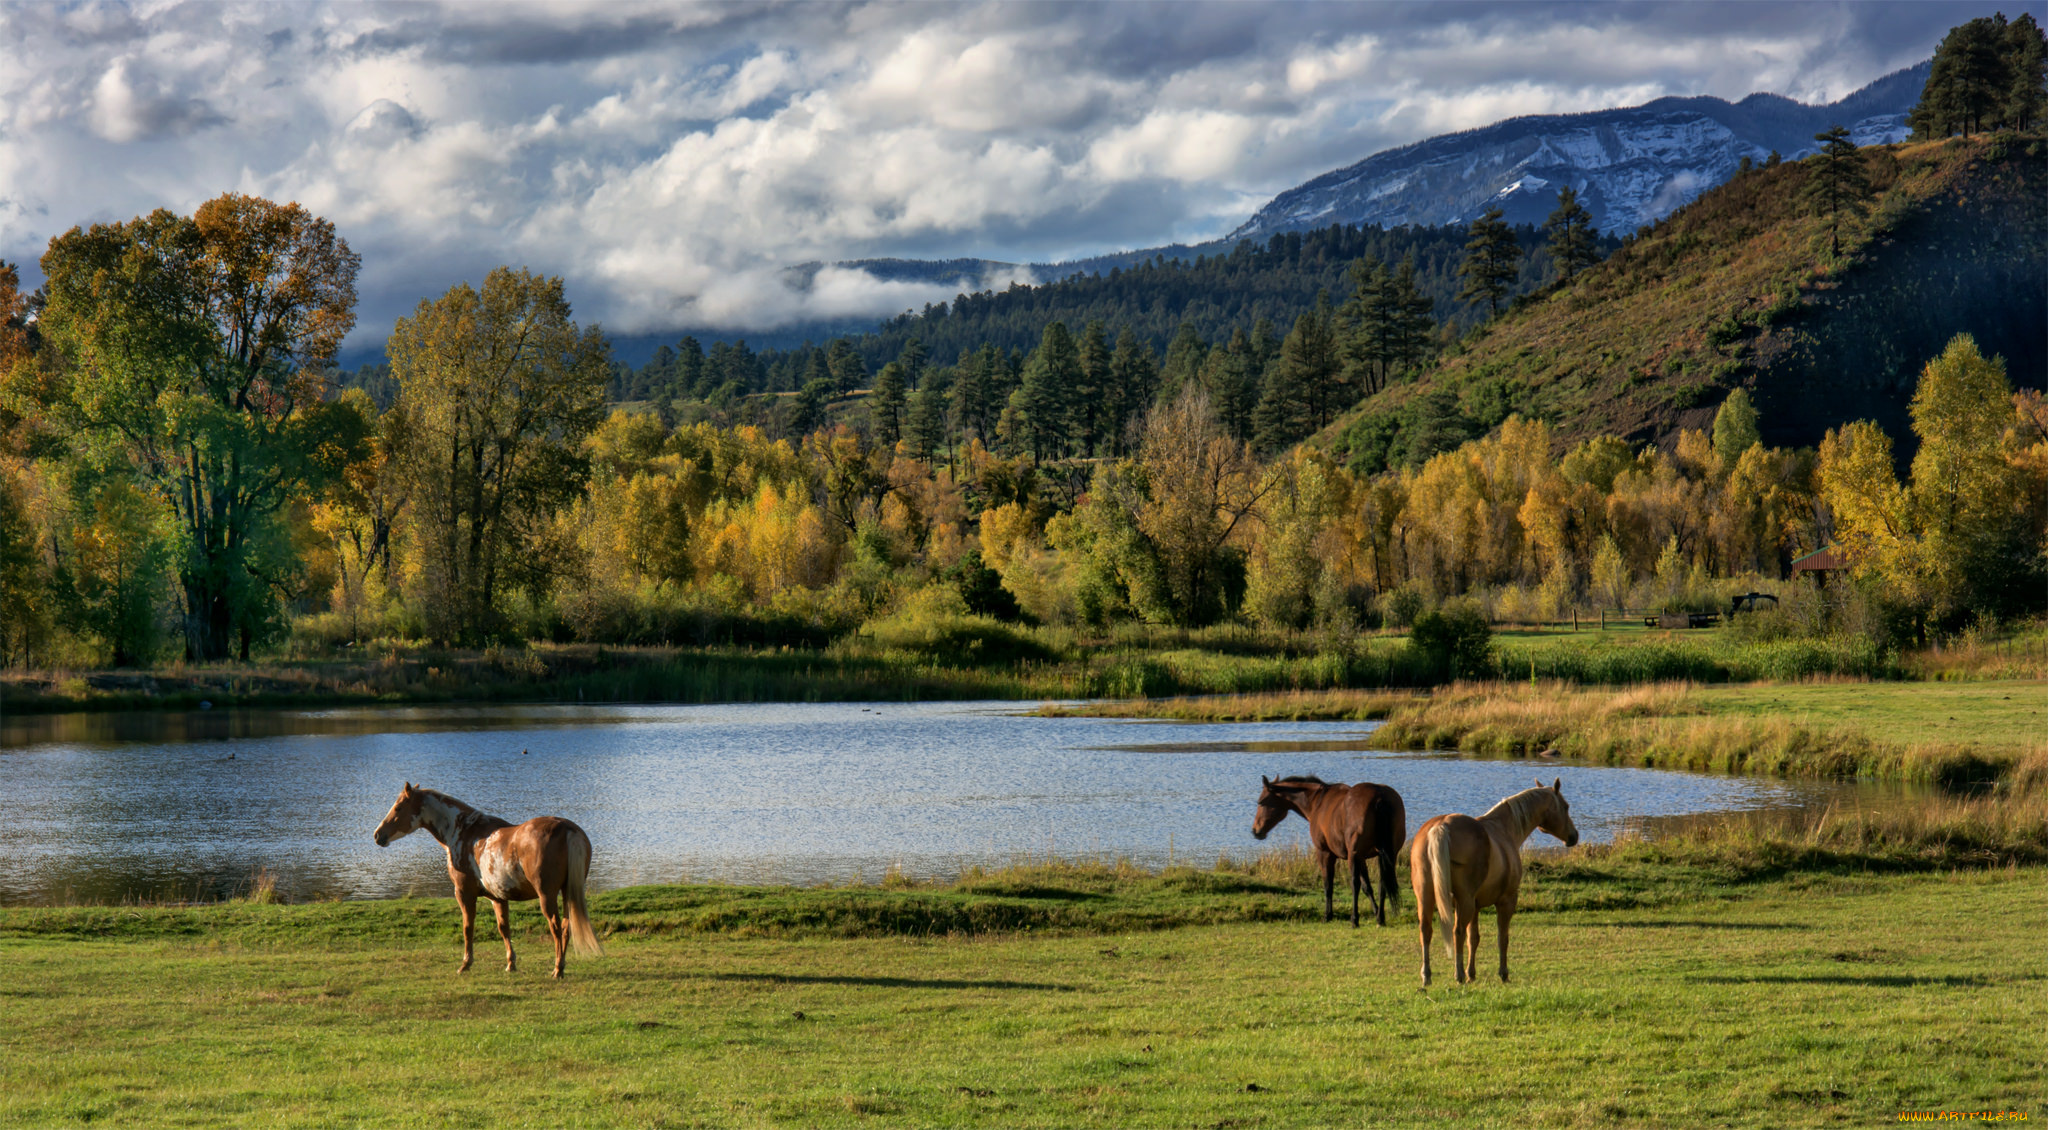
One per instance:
(1052,375)
(1966,497)
(1492,261)
(2026,60)
(1386,324)
(1305,385)
(499,386)
(1969,81)
(807,407)
(1837,183)
(192,348)
(1205,488)
(1735,429)
(849,369)
(1091,417)
(1571,234)
(1231,378)
(1184,355)
(1133,381)
(885,405)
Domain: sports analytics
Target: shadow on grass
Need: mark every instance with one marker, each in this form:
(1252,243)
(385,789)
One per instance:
(1693,924)
(1872,980)
(885,982)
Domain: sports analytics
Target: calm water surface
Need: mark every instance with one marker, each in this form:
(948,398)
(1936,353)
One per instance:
(105,807)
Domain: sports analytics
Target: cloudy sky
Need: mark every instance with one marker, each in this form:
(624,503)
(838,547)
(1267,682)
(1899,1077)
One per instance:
(670,160)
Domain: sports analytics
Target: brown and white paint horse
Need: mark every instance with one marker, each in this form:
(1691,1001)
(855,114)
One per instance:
(1459,865)
(504,862)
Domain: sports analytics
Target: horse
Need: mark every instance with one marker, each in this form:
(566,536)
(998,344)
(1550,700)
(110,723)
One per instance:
(504,862)
(1459,865)
(1350,822)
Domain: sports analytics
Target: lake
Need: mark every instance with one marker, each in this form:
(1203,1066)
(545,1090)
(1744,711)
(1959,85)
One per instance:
(113,807)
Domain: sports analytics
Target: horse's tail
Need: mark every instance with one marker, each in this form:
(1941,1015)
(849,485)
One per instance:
(1437,850)
(580,932)
(1390,827)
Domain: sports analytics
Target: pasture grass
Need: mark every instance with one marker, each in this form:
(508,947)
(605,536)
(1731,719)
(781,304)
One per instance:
(1649,991)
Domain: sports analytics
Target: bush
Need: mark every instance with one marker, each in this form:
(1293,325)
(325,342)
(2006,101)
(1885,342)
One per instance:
(934,624)
(1454,640)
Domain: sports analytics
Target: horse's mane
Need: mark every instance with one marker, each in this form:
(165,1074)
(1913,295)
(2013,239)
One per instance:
(1305,779)
(465,812)
(1517,805)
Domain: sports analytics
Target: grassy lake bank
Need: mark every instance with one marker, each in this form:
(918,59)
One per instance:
(993,661)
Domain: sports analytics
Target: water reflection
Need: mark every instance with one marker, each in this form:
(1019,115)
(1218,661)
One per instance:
(112,807)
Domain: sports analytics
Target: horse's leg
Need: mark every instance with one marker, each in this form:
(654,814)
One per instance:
(1468,935)
(467,899)
(1328,863)
(557,929)
(1425,910)
(504,916)
(1357,873)
(1503,911)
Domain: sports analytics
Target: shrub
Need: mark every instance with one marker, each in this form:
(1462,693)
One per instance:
(1454,640)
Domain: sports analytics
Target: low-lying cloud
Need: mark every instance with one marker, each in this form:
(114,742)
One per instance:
(673,162)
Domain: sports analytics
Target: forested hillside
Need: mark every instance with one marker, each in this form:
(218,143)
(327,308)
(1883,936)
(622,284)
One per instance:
(1745,288)
(1213,296)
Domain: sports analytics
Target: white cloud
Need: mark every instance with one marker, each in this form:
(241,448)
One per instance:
(671,162)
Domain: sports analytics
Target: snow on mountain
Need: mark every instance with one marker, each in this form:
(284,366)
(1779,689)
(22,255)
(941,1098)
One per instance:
(1630,166)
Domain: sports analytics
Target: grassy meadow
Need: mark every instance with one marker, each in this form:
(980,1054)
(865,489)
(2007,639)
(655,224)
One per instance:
(1687,985)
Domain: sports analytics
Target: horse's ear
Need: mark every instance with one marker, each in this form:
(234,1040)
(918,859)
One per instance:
(1557,786)
(1264,780)
(408,787)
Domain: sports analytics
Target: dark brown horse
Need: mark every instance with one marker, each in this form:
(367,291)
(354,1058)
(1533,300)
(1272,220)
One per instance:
(1349,822)
(504,862)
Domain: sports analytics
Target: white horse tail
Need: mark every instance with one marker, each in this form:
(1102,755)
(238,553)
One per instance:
(580,932)
(1437,851)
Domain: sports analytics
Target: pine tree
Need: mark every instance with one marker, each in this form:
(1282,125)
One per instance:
(1303,384)
(2026,60)
(1133,380)
(1051,376)
(849,369)
(1492,260)
(1231,377)
(1091,415)
(1837,183)
(1973,79)
(885,405)
(1571,234)
(1385,324)
(1184,356)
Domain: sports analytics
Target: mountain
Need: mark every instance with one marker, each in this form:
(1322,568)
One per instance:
(1739,289)
(1630,166)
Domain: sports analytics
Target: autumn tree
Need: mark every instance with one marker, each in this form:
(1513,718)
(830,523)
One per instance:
(1735,427)
(191,349)
(500,386)
(1492,260)
(1204,492)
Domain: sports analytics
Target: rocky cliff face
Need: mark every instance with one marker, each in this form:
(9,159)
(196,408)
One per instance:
(1630,166)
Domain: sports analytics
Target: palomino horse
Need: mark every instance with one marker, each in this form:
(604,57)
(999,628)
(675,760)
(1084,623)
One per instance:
(1459,864)
(503,862)
(1349,822)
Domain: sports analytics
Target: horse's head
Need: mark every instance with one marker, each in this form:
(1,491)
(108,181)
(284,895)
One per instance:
(1557,815)
(404,817)
(1274,805)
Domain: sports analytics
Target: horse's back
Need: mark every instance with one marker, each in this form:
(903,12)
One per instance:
(1353,826)
(548,849)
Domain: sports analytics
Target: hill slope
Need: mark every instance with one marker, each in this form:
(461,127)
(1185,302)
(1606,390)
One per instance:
(1739,288)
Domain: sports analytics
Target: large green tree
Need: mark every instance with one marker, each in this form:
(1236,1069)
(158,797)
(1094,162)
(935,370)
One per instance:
(1492,260)
(1386,323)
(191,348)
(1836,183)
(499,387)
(1571,234)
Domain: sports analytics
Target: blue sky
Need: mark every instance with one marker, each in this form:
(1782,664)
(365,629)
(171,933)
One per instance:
(671,160)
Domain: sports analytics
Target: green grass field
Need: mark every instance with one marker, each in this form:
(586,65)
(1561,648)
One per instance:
(1831,999)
